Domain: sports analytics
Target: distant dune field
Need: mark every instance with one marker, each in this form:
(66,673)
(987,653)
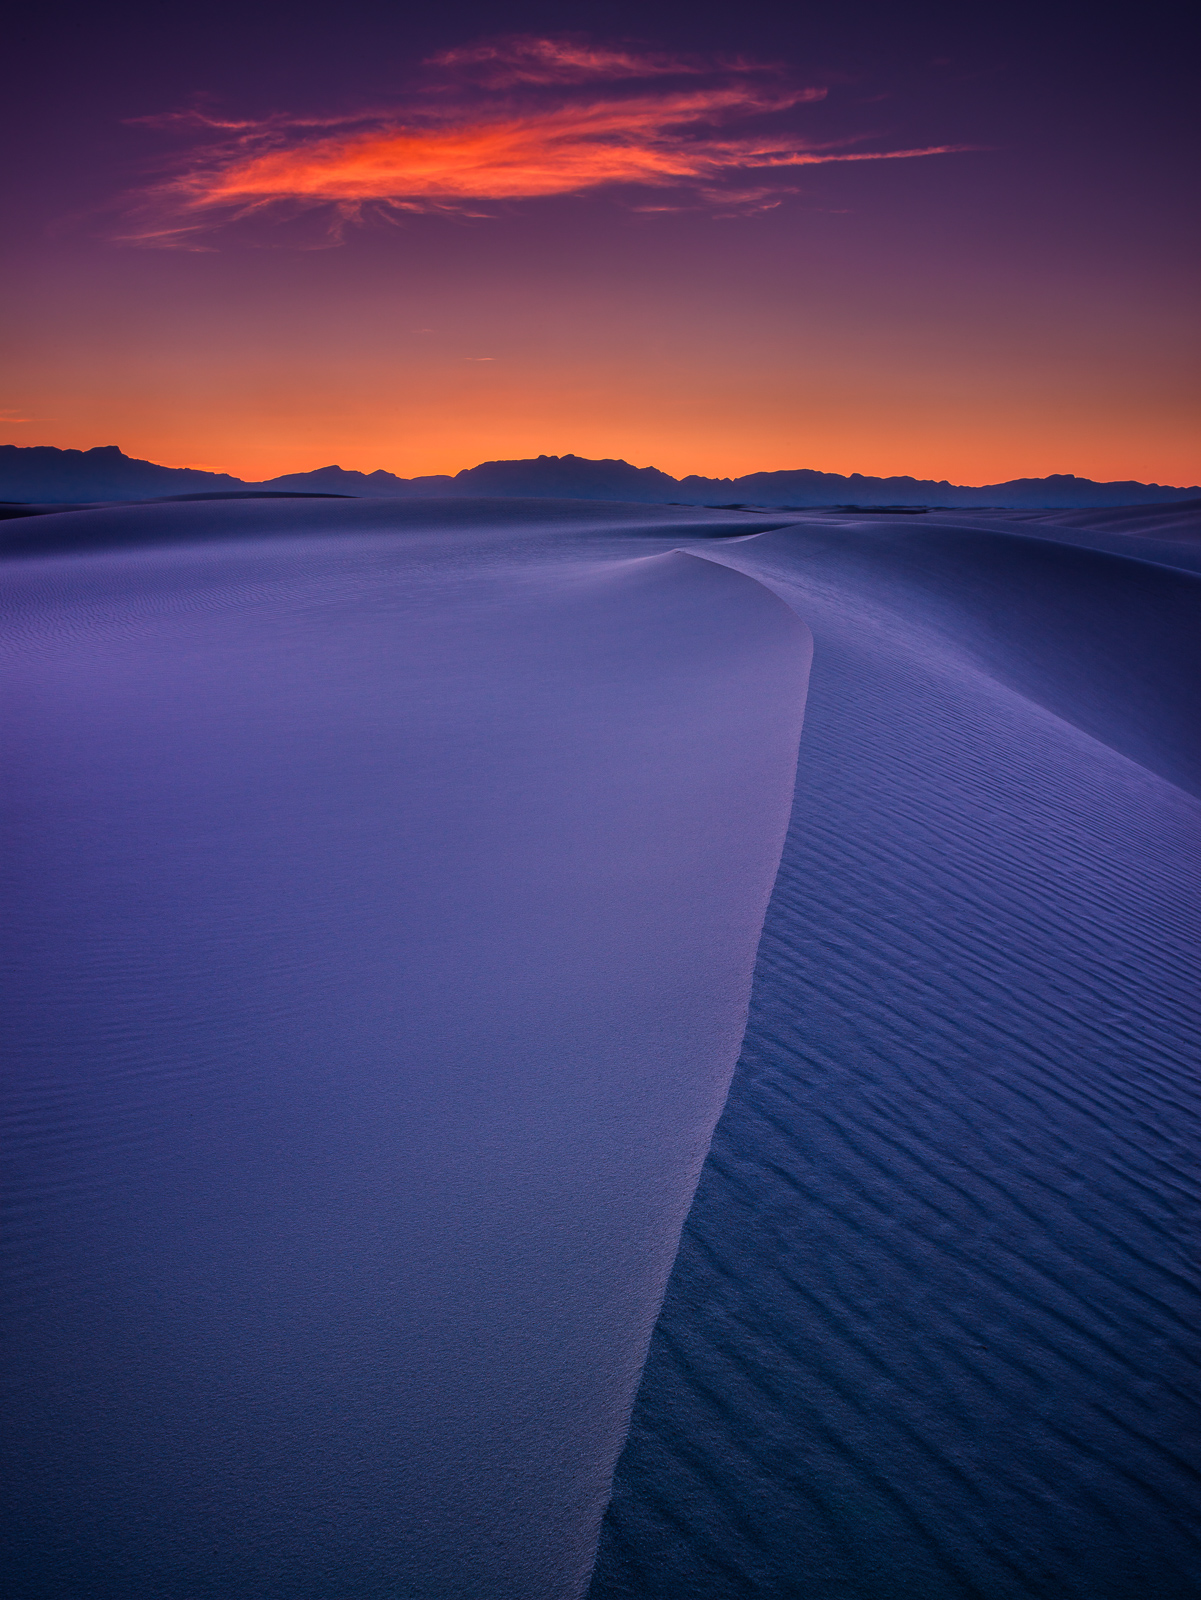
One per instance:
(525,1007)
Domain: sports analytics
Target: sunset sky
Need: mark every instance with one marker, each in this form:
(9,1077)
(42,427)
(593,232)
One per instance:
(710,238)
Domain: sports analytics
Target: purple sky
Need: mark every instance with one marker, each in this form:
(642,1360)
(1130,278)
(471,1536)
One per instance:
(710,239)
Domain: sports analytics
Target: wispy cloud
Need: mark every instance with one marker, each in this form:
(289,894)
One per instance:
(510,120)
(524,60)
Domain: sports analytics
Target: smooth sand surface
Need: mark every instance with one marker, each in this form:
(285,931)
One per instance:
(382,907)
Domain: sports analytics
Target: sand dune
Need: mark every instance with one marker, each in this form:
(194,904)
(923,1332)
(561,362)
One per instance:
(1180,522)
(382,913)
(933,1328)
(1169,536)
(387,881)
(1107,642)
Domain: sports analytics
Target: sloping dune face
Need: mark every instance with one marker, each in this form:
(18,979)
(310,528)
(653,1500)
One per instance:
(383,902)
(933,1330)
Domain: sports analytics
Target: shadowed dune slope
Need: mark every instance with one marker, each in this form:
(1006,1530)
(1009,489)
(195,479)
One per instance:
(1179,522)
(1110,643)
(1168,535)
(933,1330)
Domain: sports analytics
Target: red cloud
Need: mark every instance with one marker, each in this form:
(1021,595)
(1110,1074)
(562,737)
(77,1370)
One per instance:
(562,150)
(504,149)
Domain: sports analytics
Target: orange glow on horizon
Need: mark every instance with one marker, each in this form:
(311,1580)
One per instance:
(931,440)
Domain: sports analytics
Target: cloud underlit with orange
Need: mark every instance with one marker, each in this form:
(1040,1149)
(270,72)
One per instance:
(522,120)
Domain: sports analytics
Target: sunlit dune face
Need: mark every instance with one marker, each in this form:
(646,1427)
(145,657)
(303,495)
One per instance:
(516,120)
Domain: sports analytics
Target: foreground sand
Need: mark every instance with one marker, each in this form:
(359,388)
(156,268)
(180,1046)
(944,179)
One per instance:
(383,903)
(386,906)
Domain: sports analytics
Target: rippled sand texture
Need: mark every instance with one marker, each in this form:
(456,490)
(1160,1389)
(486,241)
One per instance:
(383,889)
(933,1331)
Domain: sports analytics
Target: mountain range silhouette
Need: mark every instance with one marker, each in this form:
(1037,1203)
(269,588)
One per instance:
(44,474)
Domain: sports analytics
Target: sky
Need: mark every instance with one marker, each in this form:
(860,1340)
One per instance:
(957,242)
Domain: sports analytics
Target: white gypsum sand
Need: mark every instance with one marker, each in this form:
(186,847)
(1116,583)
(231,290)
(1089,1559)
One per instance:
(384,891)
(933,1328)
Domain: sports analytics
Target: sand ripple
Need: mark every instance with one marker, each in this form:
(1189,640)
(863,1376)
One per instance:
(933,1327)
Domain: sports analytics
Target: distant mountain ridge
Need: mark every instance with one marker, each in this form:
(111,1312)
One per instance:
(45,474)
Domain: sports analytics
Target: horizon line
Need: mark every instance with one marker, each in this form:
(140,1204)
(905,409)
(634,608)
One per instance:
(592,461)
